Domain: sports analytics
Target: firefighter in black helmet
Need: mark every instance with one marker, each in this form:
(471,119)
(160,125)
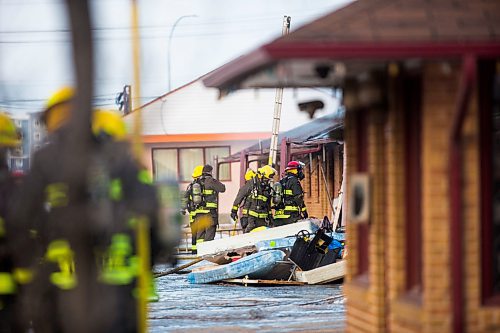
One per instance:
(292,208)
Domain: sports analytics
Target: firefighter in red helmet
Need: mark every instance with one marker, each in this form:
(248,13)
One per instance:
(292,208)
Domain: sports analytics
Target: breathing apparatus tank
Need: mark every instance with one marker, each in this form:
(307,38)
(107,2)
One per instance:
(277,193)
(196,193)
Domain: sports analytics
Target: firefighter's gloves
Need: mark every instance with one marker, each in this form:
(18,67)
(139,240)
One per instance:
(234,215)
(304,214)
(183,211)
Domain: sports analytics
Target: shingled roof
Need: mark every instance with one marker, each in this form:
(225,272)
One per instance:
(405,21)
(369,30)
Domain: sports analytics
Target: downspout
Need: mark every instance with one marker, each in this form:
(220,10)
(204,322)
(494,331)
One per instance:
(243,166)
(467,80)
(284,154)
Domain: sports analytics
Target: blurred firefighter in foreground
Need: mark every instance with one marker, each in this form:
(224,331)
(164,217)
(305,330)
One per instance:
(117,194)
(249,176)
(291,207)
(258,194)
(12,277)
(201,201)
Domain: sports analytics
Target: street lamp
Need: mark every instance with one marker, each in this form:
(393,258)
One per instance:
(170,42)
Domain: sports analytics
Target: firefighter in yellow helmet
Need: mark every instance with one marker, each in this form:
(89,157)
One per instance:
(108,123)
(115,192)
(202,202)
(129,194)
(13,274)
(58,108)
(47,206)
(189,206)
(258,193)
(244,203)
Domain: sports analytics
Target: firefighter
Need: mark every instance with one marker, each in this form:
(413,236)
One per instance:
(258,193)
(41,206)
(206,218)
(249,175)
(292,208)
(114,193)
(189,206)
(12,275)
(123,194)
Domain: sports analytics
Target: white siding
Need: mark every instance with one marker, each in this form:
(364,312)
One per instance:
(197,109)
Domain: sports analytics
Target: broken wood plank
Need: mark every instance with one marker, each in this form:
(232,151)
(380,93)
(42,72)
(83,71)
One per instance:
(178,268)
(246,281)
(324,274)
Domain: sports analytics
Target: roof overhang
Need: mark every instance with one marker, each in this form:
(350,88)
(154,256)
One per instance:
(316,64)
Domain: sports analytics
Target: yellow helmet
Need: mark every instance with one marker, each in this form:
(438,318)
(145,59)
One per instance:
(8,132)
(58,109)
(110,123)
(198,171)
(249,174)
(267,171)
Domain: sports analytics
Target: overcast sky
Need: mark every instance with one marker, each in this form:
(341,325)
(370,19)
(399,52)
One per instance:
(35,56)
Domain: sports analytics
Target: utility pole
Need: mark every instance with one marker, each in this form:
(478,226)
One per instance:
(273,148)
(123,100)
(142,227)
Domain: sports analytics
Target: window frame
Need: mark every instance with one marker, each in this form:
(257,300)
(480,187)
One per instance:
(486,74)
(178,149)
(413,190)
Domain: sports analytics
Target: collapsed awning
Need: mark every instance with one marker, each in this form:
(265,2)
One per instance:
(319,131)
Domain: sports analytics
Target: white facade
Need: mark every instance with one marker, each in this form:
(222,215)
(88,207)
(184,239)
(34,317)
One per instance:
(195,108)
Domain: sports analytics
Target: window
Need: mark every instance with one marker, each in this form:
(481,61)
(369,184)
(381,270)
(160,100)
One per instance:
(489,99)
(212,155)
(179,163)
(412,92)
(189,158)
(165,164)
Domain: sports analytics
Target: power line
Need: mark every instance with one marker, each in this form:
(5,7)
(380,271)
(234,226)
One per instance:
(161,26)
(124,38)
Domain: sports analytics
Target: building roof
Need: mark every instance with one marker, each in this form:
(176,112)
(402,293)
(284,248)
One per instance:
(368,29)
(325,129)
(405,21)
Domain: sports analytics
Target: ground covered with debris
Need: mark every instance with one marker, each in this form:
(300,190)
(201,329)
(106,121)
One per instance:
(224,307)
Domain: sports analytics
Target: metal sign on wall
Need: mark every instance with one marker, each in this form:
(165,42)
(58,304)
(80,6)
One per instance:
(359,198)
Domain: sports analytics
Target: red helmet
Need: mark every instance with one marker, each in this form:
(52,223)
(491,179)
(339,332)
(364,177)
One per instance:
(294,165)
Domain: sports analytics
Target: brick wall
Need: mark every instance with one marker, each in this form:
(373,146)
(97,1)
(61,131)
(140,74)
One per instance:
(438,106)
(403,316)
(366,306)
(382,304)
(316,197)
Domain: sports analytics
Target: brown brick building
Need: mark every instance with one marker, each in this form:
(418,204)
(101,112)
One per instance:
(421,82)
